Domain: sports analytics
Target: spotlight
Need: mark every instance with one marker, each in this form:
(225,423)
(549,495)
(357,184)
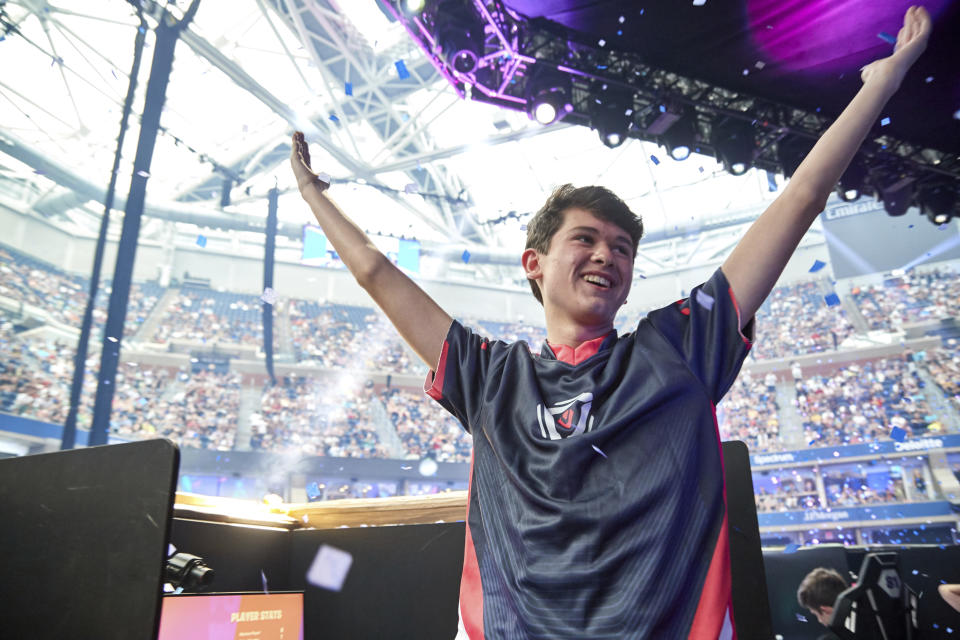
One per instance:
(937,202)
(791,150)
(734,144)
(460,35)
(898,196)
(680,138)
(853,182)
(548,96)
(610,114)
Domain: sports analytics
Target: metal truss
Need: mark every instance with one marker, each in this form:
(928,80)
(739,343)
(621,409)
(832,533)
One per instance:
(517,54)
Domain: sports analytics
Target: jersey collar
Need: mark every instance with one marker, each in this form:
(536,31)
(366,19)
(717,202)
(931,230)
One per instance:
(575,356)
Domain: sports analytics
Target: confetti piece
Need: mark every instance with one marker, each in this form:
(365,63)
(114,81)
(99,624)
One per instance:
(705,300)
(886,37)
(928,79)
(654,159)
(406,467)
(401,69)
(329,568)
(465,256)
(171,550)
(201,241)
(333,118)
(885,122)
(602,42)
(817,265)
(348,88)
(760,64)
(898,434)
(410,188)
(791,548)
(831,299)
(325,177)
(746,72)
(801,618)
(111,339)
(263,581)
(621,19)
(699,3)
(143,174)
(269,296)
(428,467)
(598,450)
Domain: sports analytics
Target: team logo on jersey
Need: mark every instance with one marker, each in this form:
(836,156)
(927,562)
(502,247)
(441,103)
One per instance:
(568,418)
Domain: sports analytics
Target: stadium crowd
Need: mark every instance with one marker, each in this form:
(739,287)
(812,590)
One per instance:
(856,403)
(912,297)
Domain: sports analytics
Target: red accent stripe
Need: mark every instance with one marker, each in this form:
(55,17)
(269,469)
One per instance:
(471,589)
(736,307)
(716,596)
(433,386)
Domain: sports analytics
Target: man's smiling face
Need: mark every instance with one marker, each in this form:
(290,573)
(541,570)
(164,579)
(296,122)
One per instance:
(586,275)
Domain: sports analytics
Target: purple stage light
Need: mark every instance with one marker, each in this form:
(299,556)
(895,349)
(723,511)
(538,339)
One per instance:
(828,36)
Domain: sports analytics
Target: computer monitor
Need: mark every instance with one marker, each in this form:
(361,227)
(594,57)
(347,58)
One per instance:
(84,539)
(274,616)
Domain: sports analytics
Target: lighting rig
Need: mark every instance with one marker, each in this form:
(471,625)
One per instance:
(491,54)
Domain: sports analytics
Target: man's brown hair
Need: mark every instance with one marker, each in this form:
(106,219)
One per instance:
(820,588)
(599,201)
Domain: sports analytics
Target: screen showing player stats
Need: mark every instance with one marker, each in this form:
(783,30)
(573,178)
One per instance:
(275,616)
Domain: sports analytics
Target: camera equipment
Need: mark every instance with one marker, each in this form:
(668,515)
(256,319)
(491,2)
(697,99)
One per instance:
(187,571)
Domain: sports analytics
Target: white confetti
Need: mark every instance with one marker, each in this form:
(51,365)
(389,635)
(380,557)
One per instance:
(595,448)
(699,3)
(329,568)
(705,300)
(269,296)
(410,188)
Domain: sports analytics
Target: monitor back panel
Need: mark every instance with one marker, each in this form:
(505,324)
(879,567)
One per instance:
(84,537)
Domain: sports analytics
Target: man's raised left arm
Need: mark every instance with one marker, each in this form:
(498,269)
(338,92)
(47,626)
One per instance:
(759,258)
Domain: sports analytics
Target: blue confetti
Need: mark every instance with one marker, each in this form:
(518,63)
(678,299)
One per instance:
(817,265)
(654,159)
(334,118)
(898,434)
(831,299)
(885,122)
(886,37)
(771,182)
(263,580)
(201,241)
(401,69)
(348,88)
(465,256)
(791,548)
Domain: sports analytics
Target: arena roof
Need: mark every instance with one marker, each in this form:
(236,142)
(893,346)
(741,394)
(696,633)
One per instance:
(407,155)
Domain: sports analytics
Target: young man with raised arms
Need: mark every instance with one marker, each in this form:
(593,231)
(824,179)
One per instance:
(596,502)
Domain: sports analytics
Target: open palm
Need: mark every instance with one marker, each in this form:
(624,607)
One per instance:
(911,42)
